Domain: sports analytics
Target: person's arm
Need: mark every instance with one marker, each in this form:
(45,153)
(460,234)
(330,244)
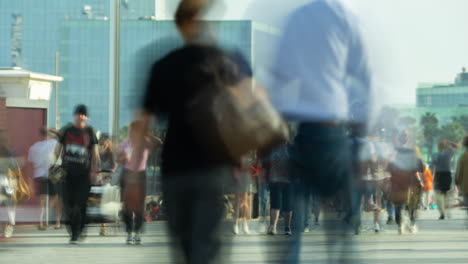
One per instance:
(153,141)
(453,145)
(460,170)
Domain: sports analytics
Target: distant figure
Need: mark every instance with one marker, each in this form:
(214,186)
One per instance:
(322,82)
(244,184)
(80,159)
(426,196)
(133,181)
(109,164)
(8,184)
(406,169)
(281,190)
(193,175)
(42,156)
(441,164)
(461,177)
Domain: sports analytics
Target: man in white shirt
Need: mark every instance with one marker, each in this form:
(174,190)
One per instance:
(323,83)
(41,155)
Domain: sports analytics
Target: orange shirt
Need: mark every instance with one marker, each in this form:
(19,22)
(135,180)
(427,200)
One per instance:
(428,180)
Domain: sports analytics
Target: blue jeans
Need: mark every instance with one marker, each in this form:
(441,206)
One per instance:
(321,163)
(263,196)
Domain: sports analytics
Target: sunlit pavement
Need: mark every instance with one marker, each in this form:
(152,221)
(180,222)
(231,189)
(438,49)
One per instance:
(436,242)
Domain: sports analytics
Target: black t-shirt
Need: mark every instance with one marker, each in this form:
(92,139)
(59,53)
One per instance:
(77,146)
(174,80)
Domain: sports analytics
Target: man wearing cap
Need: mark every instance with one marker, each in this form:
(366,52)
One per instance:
(80,159)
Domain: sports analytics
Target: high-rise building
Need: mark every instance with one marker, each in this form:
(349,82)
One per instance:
(31,30)
(84,60)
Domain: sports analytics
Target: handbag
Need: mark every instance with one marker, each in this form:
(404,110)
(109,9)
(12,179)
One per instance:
(22,192)
(232,120)
(57,173)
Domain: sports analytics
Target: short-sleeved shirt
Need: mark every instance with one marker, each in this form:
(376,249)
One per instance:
(77,146)
(132,163)
(174,81)
(41,155)
(441,160)
(279,171)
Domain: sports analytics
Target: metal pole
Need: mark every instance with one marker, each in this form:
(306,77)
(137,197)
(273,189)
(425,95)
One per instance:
(114,82)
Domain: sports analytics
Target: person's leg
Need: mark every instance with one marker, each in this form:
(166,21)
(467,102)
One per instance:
(42,204)
(307,197)
(11,214)
(237,212)
(206,215)
(178,206)
(82,204)
(440,197)
(287,205)
(316,204)
(246,212)
(275,206)
(139,213)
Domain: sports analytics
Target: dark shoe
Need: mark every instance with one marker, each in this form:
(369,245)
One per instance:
(42,228)
(287,231)
(390,221)
(442,217)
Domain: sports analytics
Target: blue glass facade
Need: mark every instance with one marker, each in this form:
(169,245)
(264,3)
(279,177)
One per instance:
(39,34)
(85,61)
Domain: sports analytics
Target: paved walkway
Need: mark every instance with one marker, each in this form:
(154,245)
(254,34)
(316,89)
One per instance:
(437,242)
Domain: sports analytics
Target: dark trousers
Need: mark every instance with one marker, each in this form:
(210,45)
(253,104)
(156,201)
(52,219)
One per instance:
(75,198)
(133,186)
(321,163)
(195,208)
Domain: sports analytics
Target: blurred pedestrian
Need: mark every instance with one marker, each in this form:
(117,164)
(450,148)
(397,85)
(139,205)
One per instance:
(80,159)
(441,165)
(323,83)
(133,180)
(461,177)
(281,190)
(406,169)
(244,183)
(193,173)
(426,196)
(42,156)
(108,162)
(8,184)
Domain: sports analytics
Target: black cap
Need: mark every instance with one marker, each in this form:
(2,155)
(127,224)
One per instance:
(81,109)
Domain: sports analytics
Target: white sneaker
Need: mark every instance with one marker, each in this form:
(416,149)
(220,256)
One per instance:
(272,230)
(130,238)
(246,228)
(235,229)
(401,229)
(8,231)
(263,228)
(377,228)
(414,229)
(137,239)
(306,229)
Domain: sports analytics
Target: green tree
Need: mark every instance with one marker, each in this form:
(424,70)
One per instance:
(452,131)
(429,124)
(462,120)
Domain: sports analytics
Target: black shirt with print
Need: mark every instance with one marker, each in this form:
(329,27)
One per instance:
(77,146)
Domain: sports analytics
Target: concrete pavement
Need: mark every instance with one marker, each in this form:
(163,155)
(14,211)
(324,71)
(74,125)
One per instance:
(437,242)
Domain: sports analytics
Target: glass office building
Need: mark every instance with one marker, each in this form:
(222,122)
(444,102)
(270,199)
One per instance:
(444,95)
(84,61)
(446,100)
(31,34)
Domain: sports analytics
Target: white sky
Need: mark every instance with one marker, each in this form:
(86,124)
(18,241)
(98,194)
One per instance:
(410,41)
